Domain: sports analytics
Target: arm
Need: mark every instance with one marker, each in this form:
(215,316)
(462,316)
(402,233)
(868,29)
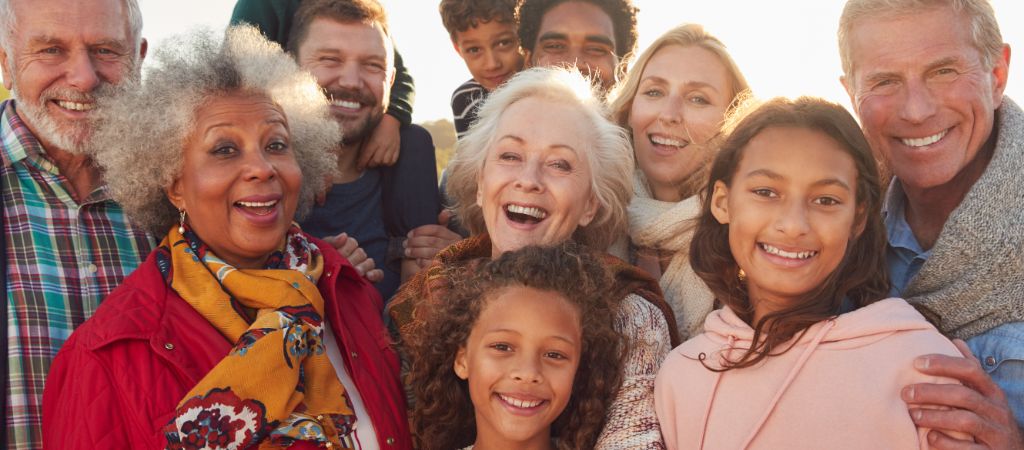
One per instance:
(632,422)
(272,17)
(977,408)
(424,242)
(384,145)
(80,405)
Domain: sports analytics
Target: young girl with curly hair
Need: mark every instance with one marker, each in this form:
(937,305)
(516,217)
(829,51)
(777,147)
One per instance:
(807,352)
(520,355)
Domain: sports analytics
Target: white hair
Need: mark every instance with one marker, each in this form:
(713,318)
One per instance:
(8,23)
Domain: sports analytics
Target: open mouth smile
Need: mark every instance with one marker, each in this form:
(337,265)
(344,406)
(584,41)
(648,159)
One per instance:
(257,208)
(525,214)
(925,141)
(784,254)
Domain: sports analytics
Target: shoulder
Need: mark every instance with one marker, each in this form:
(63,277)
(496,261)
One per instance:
(468,90)
(415,137)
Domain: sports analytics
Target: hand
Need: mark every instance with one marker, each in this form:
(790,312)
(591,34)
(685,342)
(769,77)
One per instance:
(424,242)
(978,407)
(350,249)
(382,148)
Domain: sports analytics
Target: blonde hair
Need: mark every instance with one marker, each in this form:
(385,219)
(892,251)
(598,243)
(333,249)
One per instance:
(610,158)
(985,35)
(621,97)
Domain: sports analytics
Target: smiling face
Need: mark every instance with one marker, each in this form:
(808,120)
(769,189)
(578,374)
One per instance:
(577,34)
(491,51)
(520,361)
(680,103)
(60,57)
(239,182)
(925,100)
(535,186)
(791,210)
(352,61)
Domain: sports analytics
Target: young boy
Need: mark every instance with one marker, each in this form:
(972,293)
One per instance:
(484,34)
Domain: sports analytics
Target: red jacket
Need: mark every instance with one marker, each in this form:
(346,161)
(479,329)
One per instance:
(117,380)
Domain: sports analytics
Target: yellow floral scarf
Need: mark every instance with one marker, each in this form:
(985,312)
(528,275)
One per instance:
(276,386)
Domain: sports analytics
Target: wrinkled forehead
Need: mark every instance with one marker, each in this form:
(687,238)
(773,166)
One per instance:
(71,21)
(356,38)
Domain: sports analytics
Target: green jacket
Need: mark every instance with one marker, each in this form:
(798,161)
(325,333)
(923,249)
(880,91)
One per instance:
(274,18)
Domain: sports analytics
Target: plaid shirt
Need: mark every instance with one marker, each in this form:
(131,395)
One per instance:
(62,259)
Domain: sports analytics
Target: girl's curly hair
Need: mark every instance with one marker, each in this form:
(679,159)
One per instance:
(443,417)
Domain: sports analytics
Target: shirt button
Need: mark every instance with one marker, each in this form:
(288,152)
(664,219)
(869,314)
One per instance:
(990,361)
(390,441)
(328,274)
(328,445)
(355,355)
(169,346)
(320,418)
(92,268)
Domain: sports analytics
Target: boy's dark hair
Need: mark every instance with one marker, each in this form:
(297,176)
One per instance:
(862,276)
(622,13)
(443,416)
(461,15)
(345,11)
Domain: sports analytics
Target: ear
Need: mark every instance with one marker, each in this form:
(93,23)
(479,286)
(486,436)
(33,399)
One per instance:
(720,203)
(461,366)
(591,211)
(1000,73)
(8,77)
(848,85)
(479,190)
(175,193)
(143,50)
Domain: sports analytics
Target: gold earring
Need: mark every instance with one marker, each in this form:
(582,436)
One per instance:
(181,222)
(741,275)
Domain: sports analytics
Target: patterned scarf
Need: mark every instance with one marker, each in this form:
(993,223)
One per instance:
(276,386)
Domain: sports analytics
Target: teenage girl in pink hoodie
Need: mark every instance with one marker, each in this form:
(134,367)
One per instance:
(804,353)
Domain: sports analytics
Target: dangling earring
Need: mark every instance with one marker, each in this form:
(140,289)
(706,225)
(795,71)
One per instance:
(741,275)
(181,222)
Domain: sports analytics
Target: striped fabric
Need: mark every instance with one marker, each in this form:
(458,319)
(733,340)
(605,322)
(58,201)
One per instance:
(62,259)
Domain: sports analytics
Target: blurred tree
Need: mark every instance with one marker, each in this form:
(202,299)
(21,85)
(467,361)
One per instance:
(442,131)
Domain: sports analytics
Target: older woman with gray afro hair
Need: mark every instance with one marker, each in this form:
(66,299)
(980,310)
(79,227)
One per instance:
(543,164)
(239,329)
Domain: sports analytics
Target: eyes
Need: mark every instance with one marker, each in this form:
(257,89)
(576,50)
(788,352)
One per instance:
(507,348)
(554,162)
(370,66)
(695,98)
(501,45)
(767,193)
(594,50)
(227,148)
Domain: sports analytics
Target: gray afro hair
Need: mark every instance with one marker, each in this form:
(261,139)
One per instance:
(142,130)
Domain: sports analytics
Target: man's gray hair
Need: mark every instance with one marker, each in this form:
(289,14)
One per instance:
(985,35)
(142,132)
(610,155)
(8,23)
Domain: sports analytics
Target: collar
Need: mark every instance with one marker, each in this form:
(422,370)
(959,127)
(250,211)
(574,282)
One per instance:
(897,230)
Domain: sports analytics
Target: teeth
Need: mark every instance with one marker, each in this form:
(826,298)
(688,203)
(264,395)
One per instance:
(520,403)
(258,204)
(536,213)
(661,140)
(921,142)
(791,255)
(346,104)
(75,106)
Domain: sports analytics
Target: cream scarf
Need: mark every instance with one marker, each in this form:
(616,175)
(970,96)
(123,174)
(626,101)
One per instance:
(668,227)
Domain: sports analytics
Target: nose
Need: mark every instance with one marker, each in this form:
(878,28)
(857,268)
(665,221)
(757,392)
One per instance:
(526,370)
(81,71)
(918,103)
(256,166)
(792,218)
(672,110)
(530,178)
(492,60)
(348,75)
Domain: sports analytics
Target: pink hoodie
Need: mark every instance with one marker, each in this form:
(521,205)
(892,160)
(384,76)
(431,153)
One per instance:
(837,388)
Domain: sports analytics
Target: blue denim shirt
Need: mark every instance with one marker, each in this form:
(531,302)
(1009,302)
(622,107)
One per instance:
(1000,350)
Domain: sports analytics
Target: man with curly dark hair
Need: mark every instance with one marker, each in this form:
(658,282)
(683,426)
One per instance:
(596,36)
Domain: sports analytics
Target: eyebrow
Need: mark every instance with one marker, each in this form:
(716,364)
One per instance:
(520,140)
(555,35)
(54,40)
(556,336)
(823,182)
(210,128)
(697,84)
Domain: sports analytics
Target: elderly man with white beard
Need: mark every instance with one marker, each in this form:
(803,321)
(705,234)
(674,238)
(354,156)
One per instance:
(66,244)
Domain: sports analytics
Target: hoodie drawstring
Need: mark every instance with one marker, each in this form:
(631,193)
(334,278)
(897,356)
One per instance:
(789,380)
(714,389)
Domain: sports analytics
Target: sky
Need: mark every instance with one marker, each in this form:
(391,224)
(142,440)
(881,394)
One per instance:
(783,47)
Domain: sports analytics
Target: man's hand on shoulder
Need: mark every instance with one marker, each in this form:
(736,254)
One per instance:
(350,249)
(976,408)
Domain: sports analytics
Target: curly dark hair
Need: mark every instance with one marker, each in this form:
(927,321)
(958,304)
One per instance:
(622,13)
(862,275)
(443,417)
(461,15)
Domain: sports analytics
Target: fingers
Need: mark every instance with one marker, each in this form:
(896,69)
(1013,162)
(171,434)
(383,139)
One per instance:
(365,265)
(444,217)
(967,370)
(427,246)
(942,441)
(374,276)
(337,241)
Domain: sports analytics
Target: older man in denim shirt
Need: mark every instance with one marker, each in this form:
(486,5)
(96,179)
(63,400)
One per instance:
(926,79)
